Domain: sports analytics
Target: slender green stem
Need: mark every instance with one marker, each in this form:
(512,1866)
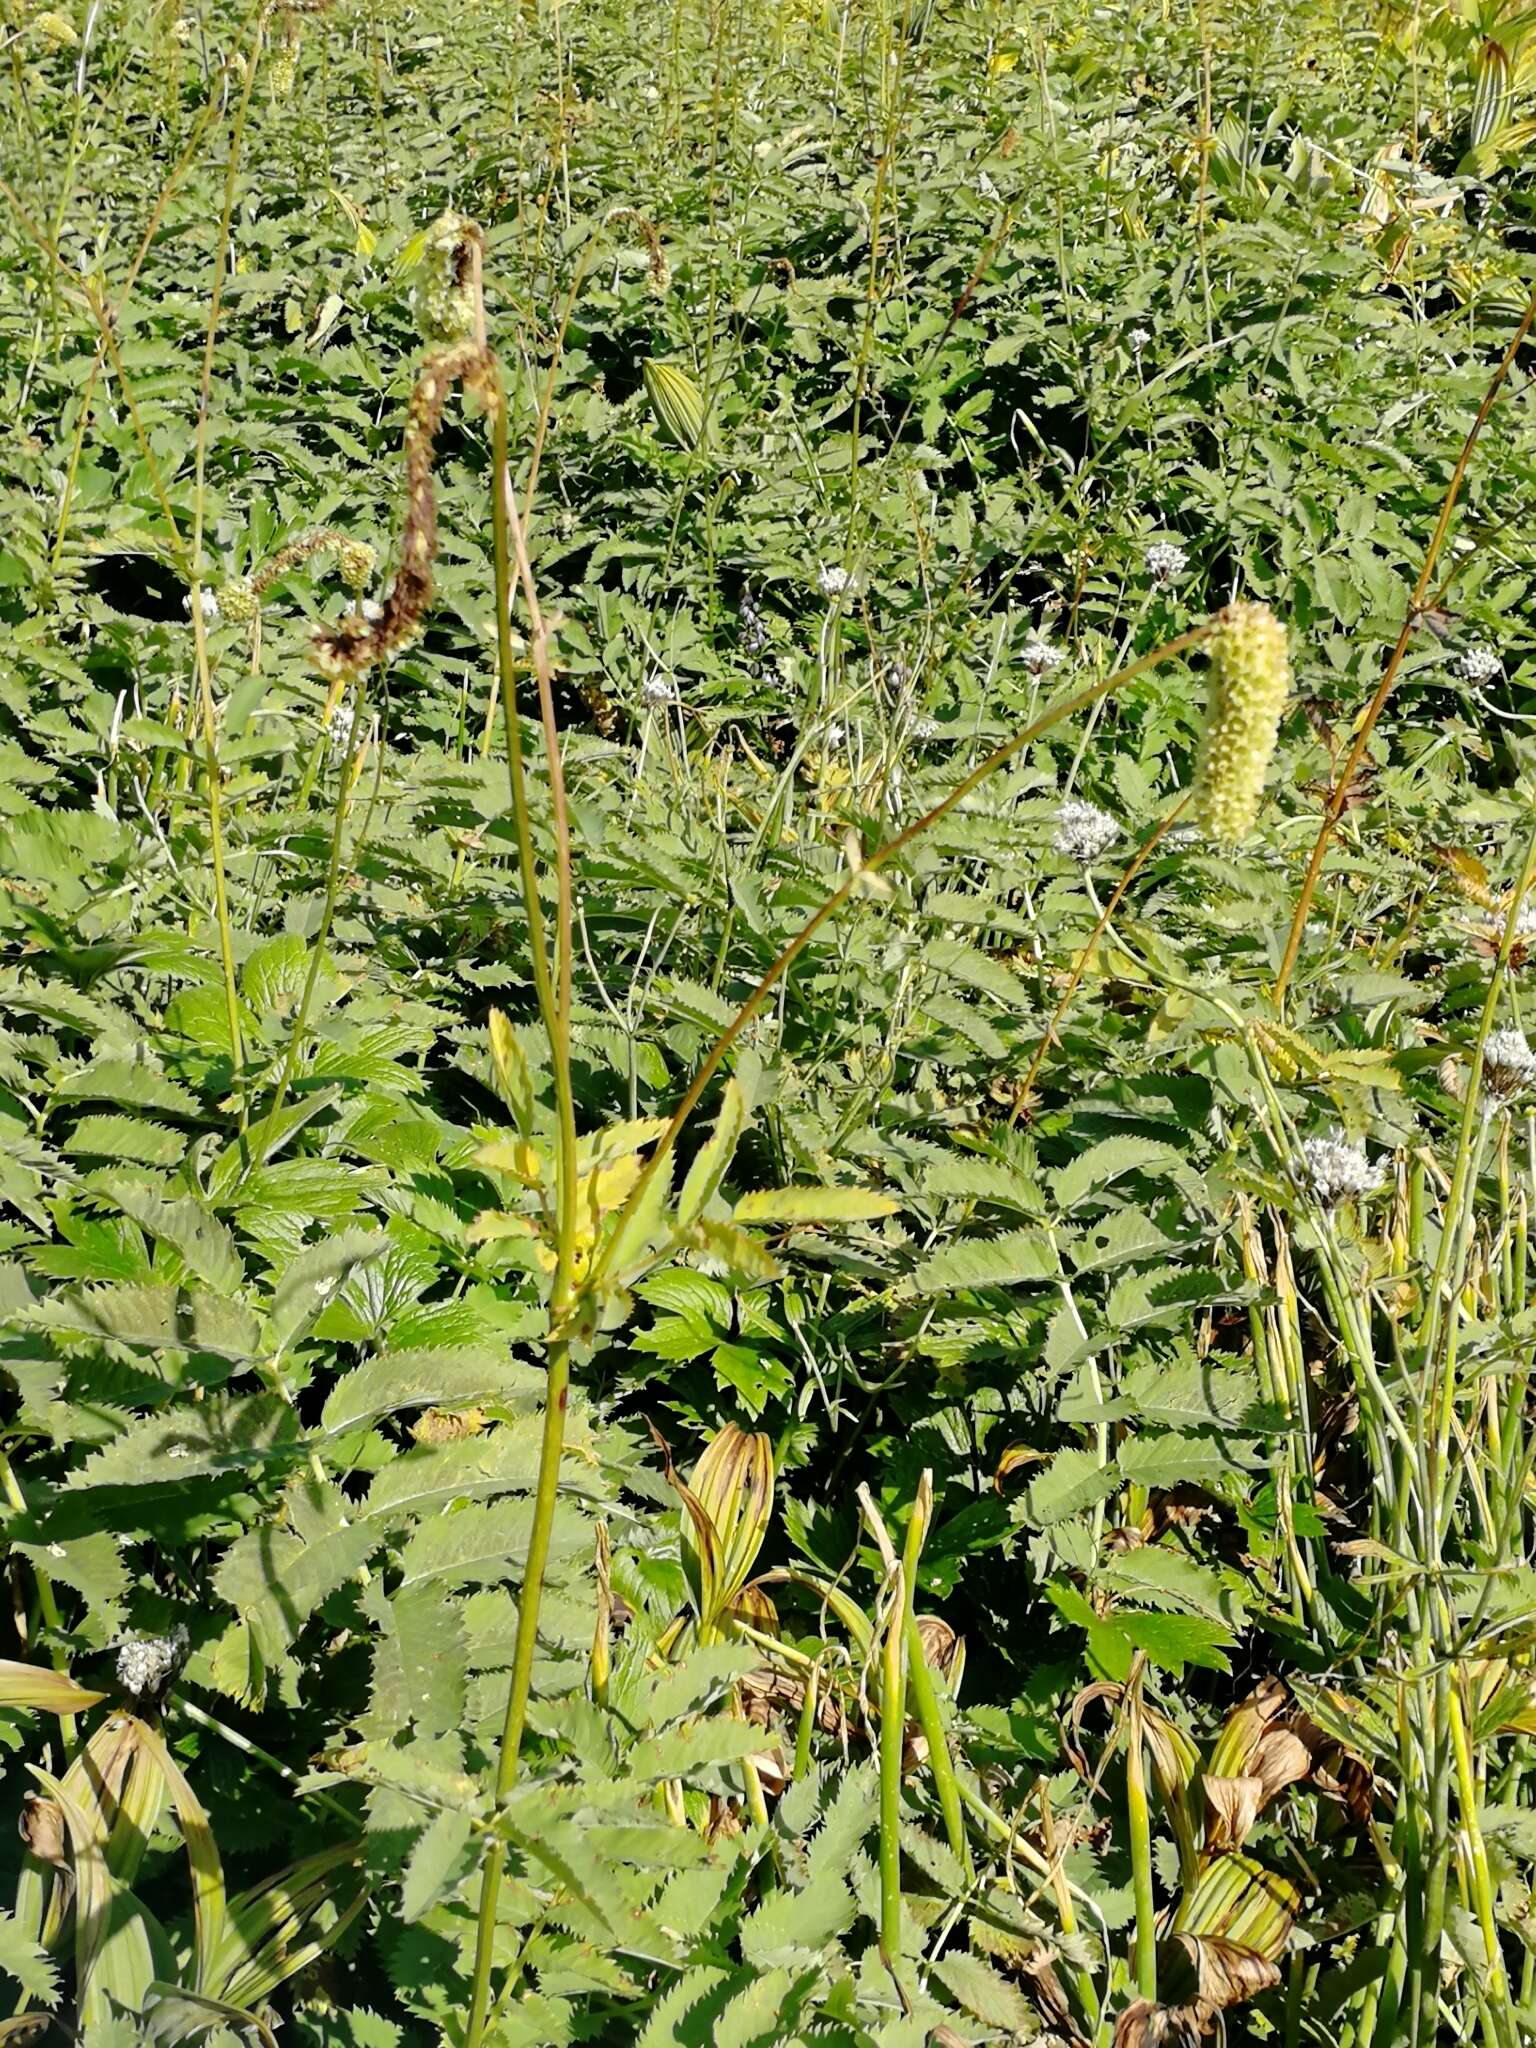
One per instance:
(893,1728)
(790,953)
(199,624)
(347,781)
(193,1712)
(1139,1816)
(1496,1982)
(556,1394)
(554,995)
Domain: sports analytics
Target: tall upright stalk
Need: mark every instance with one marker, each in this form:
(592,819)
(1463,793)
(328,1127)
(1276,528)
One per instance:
(554,996)
(209,714)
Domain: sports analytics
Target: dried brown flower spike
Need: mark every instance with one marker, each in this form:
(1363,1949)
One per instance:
(356,642)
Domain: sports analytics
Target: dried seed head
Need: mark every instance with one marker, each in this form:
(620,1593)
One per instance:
(1250,680)
(656,256)
(446,1425)
(357,641)
(237,600)
(1509,1065)
(354,558)
(41,1827)
(447,305)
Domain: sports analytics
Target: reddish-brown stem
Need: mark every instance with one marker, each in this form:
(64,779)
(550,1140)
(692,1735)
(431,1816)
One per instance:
(1416,605)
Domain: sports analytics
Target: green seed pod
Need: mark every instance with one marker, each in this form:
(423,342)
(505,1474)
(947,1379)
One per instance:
(1250,680)
(355,559)
(237,600)
(677,402)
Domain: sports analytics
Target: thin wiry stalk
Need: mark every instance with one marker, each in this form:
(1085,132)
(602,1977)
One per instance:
(790,953)
(1143,853)
(554,995)
(1416,603)
(199,625)
(346,783)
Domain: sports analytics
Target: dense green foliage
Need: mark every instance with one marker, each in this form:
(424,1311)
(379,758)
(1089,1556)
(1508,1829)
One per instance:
(875,378)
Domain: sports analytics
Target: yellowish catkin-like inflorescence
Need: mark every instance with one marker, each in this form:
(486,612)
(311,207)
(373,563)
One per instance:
(55,29)
(355,559)
(283,64)
(1250,681)
(237,600)
(446,307)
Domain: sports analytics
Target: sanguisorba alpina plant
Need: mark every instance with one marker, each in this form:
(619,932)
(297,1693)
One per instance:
(1250,681)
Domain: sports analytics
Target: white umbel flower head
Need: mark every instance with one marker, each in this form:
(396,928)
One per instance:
(1138,339)
(1333,1169)
(657,691)
(1166,561)
(1039,656)
(146,1663)
(1479,665)
(833,580)
(1083,831)
(1509,1065)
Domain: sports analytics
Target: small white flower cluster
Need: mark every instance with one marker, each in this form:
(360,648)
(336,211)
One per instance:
(833,580)
(1509,1065)
(1334,1170)
(1138,339)
(145,1663)
(339,731)
(1083,831)
(208,602)
(1166,561)
(658,691)
(1479,665)
(1039,656)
